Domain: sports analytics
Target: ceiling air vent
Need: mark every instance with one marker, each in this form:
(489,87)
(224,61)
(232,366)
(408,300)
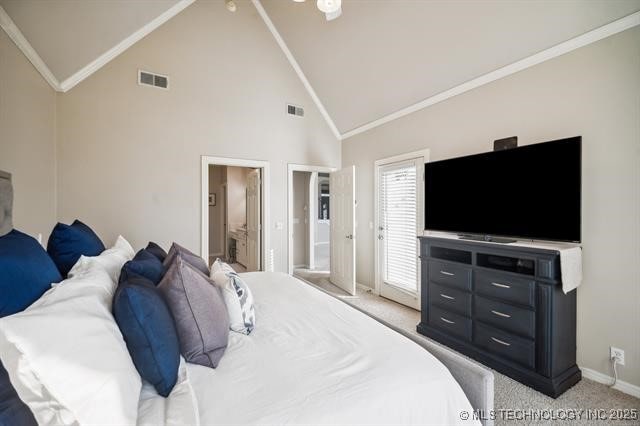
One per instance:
(146,78)
(295,110)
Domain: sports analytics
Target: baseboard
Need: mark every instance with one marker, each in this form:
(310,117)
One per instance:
(301,266)
(622,386)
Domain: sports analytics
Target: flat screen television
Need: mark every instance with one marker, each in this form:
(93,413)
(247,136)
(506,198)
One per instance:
(530,192)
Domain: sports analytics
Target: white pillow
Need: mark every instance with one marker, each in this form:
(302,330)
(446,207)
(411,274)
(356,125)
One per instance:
(66,356)
(237,297)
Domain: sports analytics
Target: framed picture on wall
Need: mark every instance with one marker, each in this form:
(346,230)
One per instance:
(212,199)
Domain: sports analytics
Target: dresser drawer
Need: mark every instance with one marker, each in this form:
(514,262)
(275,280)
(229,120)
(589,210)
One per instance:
(450,299)
(506,317)
(450,322)
(510,289)
(505,344)
(450,274)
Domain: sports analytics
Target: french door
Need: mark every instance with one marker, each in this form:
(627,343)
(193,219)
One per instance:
(399,222)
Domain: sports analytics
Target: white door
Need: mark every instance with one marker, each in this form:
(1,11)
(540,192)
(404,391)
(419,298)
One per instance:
(253,220)
(398,226)
(343,229)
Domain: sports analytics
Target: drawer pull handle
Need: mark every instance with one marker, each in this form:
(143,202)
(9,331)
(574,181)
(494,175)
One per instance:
(446,296)
(447,273)
(447,321)
(500,314)
(501,285)
(502,342)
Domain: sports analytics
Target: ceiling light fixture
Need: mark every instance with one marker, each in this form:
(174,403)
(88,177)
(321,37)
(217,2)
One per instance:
(231,5)
(329,6)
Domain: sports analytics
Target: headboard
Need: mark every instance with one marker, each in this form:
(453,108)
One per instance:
(6,203)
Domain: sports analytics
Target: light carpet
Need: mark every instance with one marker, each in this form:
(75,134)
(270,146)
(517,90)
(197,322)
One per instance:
(512,398)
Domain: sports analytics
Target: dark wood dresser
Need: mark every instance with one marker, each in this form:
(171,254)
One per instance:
(503,306)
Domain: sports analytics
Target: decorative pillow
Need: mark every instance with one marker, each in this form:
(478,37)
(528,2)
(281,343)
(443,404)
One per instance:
(199,313)
(12,410)
(237,298)
(26,272)
(65,355)
(144,264)
(186,255)
(157,251)
(147,326)
(68,242)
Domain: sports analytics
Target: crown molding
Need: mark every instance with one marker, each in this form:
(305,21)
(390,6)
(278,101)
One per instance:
(593,36)
(18,38)
(123,45)
(294,64)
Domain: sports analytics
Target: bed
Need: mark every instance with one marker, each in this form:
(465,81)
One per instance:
(312,359)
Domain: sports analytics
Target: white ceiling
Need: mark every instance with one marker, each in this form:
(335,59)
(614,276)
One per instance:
(70,34)
(379,57)
(382,56)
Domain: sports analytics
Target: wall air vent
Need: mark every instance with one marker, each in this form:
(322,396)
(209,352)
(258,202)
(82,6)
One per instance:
(295,110)
(146,78)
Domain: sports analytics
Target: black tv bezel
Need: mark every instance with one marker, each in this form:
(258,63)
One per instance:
(488,236)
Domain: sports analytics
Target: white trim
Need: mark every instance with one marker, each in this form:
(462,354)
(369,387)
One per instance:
(553,52)
(290,169)
(296,67)
(424,154)
(110,54)
(622,386)
(18,38)
(206,161)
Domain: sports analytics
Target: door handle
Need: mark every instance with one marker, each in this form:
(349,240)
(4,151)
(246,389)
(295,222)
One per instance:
(447,321)
(447,273)
(446,296)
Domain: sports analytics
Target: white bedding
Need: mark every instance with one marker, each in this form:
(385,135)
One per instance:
(314,360)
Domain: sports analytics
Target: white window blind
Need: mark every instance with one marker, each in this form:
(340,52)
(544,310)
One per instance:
(398,210)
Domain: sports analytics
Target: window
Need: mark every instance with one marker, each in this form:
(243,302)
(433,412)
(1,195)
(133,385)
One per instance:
(323,196)
(398,222)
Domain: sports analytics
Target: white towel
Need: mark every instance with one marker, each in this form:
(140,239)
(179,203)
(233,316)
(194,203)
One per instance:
(571,268)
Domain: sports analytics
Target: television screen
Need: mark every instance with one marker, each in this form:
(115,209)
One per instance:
(530,192)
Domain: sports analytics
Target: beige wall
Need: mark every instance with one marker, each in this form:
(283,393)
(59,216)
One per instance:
(27,140)
(593,92)
(301,218)
(216,213)
(129,156)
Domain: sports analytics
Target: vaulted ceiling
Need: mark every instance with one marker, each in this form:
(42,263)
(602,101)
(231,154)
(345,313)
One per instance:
(378,58)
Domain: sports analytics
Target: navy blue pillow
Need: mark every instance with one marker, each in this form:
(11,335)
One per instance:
(157,251)
(26,272)
(68,242)
(149,332)
(143,264)
(12,410)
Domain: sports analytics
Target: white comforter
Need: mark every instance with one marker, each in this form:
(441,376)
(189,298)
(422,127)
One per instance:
(314,360)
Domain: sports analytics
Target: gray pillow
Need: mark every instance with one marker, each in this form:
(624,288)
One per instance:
(199,312)
(6,203)
(190,257)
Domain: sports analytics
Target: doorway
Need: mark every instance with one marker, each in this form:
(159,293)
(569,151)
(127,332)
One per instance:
(235,206)
(313,244)
(399,206)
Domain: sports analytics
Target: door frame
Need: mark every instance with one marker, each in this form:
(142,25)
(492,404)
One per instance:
(207,161)
(424,154)
(290,169)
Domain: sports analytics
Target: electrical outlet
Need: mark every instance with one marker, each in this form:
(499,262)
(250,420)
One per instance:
(617,354)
